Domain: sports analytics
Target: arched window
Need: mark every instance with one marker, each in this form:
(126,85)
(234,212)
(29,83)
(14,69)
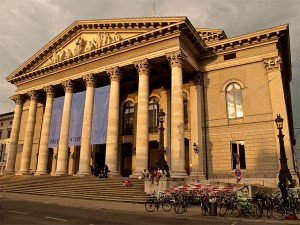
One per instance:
(153,114)
(128,118)
(234,101)
(185,110)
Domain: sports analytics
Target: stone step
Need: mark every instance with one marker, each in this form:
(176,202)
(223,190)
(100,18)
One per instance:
(90,187)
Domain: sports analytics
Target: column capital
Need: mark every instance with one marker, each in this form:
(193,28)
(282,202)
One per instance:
(114,74)
(90,80)
(50,91)
(18,99)
(142,66)
(68,86)
(33,95)
(175,58)
(272,64)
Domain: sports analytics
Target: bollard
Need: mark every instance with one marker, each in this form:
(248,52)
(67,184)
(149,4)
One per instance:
(213,208)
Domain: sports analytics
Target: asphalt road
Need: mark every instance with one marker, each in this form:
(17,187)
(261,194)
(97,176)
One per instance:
(20,212)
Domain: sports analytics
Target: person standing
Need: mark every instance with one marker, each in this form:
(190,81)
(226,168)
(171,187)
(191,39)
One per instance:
(106,171)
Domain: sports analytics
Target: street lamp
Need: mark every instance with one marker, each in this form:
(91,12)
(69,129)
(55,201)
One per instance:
(161,163)
(284,173)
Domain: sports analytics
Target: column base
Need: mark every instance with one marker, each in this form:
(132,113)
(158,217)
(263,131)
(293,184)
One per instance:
(12,172)
(38,173)
(83,174)
(59,173)
(23,173)
(178,174)
(197,175)
(136,174)
(113,174)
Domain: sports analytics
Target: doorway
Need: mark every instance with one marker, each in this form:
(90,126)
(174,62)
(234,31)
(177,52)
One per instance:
(126,165)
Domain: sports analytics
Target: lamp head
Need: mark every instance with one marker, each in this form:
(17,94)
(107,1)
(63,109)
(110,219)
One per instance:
(279,122)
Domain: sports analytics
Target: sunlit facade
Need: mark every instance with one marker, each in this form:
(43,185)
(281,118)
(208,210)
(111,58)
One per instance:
(221,94)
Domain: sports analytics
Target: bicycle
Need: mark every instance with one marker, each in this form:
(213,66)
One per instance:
(244,207)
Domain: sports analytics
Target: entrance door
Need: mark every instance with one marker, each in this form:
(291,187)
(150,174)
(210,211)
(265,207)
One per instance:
(153,154)
(50,160)
(99,158)
(126,167)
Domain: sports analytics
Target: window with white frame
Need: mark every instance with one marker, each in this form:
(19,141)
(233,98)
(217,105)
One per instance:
(238,155)
(234,101)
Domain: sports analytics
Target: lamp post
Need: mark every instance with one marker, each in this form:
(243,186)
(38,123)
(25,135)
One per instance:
(284,173)
(161,163)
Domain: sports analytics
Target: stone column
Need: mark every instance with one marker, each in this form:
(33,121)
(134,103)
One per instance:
(86,150)
(111,157)
(29,132)
(63,148)
(142,127)
(14,137)
(177,122)
(197,159)
(44,151)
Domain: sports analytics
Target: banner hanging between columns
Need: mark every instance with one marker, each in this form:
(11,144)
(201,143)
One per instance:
(57,109)
(76,119)
(100,115)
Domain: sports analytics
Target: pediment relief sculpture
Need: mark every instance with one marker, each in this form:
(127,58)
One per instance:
(85,43)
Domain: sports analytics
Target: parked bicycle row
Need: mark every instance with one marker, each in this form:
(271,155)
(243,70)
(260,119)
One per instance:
(226,200)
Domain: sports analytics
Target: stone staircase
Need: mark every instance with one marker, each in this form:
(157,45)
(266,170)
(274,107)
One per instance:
(110,189)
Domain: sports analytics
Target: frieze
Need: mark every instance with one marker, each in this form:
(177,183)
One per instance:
(84,43)
(272,64)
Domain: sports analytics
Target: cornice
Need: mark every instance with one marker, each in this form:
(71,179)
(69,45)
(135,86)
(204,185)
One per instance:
(139,39)
(83,25)
(247,39)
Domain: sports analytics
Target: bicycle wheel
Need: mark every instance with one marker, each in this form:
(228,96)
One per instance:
(167,206)
(150,205)
(297,212)
(269,211)
(222,210)
(234,211)
(179,208)
(254,211)
(279,212)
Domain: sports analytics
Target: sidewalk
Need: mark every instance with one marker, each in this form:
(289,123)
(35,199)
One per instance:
(193,212)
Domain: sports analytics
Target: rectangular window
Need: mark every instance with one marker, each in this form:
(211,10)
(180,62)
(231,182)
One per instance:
(2,153)
(229,56)
(238,155)
(8,133)
(1,134)
(10,122)
(1,124)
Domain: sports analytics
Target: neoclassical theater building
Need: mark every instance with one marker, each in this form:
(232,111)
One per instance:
(91,96)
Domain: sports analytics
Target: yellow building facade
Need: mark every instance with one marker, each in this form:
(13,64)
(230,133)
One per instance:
(220,95)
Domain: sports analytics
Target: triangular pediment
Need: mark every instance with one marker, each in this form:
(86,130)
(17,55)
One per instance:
(85,42)
(86,36)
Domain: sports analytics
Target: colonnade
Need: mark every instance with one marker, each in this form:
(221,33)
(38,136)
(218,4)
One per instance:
(177,163)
